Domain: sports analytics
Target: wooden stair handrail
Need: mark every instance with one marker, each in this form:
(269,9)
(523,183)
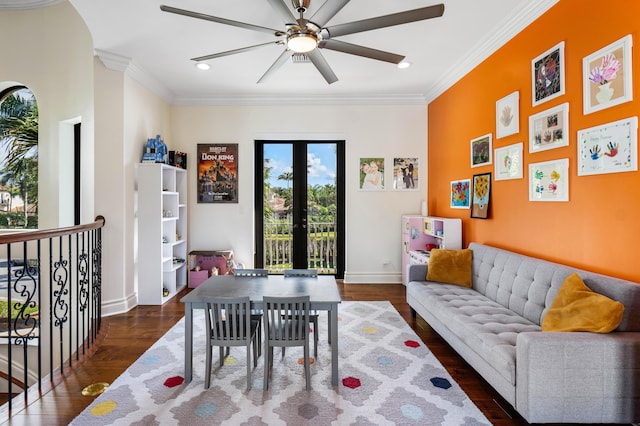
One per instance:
(20,237)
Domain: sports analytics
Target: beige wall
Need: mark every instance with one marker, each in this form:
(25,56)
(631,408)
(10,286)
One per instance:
(54,60)
(372,218)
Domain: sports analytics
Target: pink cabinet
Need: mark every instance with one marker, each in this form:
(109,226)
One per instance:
(413,239)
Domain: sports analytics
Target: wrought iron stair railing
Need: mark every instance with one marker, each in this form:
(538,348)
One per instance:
(50,307)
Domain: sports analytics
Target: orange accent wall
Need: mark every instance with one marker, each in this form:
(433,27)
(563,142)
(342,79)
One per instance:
(599,228)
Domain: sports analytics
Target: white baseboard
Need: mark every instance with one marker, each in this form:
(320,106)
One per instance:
(372,278)
(120,306)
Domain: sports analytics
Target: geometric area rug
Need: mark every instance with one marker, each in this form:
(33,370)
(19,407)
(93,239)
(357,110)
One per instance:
(387,376)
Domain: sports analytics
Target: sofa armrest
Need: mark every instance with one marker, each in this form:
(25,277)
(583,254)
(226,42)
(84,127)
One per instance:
(417,272)
(578,377)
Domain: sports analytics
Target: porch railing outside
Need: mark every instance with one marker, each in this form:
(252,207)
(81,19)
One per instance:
(321,246)
(50,298)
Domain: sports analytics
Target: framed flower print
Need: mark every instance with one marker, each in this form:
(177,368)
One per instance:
(481,193)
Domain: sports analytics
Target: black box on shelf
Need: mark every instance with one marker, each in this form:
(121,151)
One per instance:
(178,159)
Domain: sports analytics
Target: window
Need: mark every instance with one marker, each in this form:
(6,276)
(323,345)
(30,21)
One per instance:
(18,159)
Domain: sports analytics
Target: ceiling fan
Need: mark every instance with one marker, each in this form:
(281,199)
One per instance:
(306,36)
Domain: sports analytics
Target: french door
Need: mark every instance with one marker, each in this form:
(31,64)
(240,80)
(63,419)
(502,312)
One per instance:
(299,205)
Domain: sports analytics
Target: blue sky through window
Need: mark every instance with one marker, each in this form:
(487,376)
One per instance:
(321,158)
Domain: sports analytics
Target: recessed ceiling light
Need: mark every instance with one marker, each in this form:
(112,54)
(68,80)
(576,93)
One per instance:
(202,66)
(404,64)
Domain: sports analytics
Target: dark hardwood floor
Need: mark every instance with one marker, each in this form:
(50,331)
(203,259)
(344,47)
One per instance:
(130,334)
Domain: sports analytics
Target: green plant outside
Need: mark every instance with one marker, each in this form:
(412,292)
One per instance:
(4,309)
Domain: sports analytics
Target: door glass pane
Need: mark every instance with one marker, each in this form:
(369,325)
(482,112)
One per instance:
(321,206)
(278,203)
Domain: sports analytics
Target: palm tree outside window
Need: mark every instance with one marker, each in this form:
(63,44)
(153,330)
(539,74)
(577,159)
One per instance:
(18,159)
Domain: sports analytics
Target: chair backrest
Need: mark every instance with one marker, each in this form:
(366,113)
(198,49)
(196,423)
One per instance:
(286,318)
(313,273)
(251,273)
(228,319)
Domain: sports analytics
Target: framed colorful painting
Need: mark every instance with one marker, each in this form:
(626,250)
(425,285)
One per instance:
(609,148)
(481,151)
(606,76)
(218,173)
(549,129)
(508,115)
(481,193)
(549,180)
(371,174)
(547,75)
(406,173)
(508,162)
(460,194)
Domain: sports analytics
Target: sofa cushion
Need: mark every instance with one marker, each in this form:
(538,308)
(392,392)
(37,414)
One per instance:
(487,327)
(450,266)
(578,308)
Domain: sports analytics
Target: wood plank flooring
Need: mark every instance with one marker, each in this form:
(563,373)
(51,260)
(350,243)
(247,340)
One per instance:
(130,334)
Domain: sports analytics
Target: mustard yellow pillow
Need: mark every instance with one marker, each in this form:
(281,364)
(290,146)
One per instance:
(578,308)
(450,266)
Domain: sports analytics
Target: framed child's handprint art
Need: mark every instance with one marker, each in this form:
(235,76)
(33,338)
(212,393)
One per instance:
(609,148)
(508,115)
(549,180)
(607,77)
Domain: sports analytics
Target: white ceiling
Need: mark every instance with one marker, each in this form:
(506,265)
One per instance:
(156,47)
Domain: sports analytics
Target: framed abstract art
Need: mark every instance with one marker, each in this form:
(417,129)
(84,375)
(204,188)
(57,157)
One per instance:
(547,75)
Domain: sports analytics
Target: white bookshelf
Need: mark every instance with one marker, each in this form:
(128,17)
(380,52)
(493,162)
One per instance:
(162,232)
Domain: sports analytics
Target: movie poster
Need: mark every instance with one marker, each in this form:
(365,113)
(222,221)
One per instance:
(218,173)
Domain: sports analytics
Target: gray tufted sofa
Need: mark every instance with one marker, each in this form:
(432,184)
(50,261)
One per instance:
(548,377)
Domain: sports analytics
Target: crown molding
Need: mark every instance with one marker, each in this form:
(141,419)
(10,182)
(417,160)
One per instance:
(26,4)
(507,29)
(399,99)
(128,66)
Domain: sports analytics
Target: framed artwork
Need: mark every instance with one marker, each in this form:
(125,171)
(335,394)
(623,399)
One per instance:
(460,194)
(218,173)
(481,192)
(371,174)
(549,129)
(481,150)
(549,180)
(609,148)
(406,173)
(606,76)
(547,75)
(508,162)
(508,115)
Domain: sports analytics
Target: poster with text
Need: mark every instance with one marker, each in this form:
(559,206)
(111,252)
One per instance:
(218,173)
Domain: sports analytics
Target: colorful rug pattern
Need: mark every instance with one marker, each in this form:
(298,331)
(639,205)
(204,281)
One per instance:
(387,377)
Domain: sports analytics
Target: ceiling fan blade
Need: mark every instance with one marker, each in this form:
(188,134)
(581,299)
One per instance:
(387,20)
(321,64)
(233,52)
(328,11)
(354,49)
(198,15)
(286,54)
(283,10)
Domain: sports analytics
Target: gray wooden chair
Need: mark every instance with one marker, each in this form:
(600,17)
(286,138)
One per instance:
(255,313)
(286,324)
(313,315)
(229,323)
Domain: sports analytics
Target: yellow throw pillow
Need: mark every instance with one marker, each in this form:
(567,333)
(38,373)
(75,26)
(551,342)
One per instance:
(578,308)
(450,266)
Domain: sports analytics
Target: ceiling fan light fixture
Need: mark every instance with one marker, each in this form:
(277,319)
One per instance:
(302,42)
